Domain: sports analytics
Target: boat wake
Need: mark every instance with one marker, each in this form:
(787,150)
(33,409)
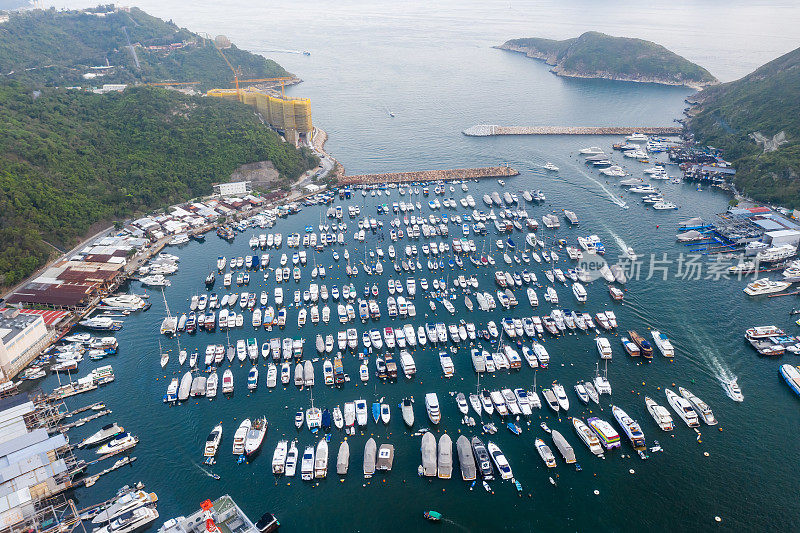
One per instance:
(611,196)
(622,246)
(280,51)
(710,360)
(206,472)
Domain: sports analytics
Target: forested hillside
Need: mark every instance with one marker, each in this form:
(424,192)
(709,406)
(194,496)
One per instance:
(59,47)
(756,123)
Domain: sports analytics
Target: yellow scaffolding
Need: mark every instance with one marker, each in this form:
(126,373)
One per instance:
(283,113)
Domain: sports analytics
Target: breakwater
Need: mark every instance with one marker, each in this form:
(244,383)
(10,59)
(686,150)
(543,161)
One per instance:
(430,175)
(488,130)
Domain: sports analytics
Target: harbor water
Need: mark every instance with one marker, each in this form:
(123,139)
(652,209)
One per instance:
(436,71)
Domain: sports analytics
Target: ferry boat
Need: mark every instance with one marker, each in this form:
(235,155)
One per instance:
(660,414)
(608,436)
(791,375)
(645,347)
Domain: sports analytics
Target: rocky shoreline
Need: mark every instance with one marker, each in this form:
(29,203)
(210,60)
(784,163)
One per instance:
(557,69)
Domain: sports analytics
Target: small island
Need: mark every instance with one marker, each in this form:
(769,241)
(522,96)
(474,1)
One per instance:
(597,55)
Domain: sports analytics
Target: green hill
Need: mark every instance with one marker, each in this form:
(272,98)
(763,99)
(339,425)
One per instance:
(756,122)
(58,47)
(597,55)
(71,159)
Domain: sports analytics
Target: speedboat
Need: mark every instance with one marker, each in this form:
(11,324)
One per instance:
(500,461)
(255,436)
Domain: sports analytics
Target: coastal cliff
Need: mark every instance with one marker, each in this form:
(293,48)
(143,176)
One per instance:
(596,55)
(754,121)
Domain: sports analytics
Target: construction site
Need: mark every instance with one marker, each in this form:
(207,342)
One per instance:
(291,117)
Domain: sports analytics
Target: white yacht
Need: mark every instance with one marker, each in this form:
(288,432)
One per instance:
(700,406)
(663,344)
(660,414)
(683,408)
(432,406)
(765,286)
(592,150)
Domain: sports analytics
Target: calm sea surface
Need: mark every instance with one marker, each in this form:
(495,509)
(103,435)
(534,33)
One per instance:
(433,66)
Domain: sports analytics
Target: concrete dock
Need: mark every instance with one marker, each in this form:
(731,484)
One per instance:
(430,175)
(489,130)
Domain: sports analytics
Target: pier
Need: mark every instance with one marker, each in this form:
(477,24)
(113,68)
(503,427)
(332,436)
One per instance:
(489,130)
(430,175)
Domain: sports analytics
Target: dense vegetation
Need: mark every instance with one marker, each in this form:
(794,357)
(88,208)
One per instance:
(597,55)
(767,102)
(58,47)
(69,159)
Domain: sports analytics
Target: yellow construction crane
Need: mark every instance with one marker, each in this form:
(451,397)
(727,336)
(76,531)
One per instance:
(238,72)
(282,79)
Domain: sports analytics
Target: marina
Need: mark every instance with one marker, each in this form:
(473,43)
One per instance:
(508,352)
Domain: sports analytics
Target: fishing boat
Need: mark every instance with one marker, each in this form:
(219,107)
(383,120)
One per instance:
(660,414)
(545,453)
(683,408)
(499,460)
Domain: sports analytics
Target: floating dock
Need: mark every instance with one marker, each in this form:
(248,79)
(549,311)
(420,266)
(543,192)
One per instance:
(430,175)
(489,130)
